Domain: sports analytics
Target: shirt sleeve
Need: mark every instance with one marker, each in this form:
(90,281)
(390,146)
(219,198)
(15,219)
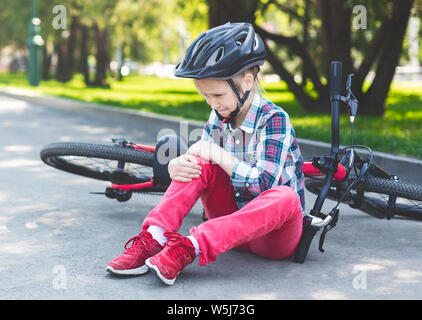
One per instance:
(209,129)
(272,150)
(205,133)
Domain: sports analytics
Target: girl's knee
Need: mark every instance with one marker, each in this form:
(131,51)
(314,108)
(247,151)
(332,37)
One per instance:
(202,162)
(285,191)
(287,196)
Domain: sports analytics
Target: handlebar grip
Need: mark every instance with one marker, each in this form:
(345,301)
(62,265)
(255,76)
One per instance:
(335,78)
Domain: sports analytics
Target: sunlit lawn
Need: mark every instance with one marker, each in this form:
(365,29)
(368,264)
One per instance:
(398,132)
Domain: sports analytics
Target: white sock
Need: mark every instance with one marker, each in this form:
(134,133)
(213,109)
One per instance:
(158,234)
(195,244)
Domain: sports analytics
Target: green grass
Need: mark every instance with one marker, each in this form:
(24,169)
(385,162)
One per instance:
(398,132)
(147,93)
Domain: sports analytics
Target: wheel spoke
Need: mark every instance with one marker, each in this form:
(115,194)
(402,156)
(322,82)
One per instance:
(375,203)
(108,166)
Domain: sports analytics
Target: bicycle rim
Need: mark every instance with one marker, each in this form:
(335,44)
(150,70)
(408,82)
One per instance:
(377,196)
(393,197)
(377,204)
(100,162)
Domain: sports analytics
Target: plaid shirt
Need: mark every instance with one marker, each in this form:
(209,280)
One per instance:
(265,143)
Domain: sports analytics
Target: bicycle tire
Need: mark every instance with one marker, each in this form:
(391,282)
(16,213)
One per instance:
(376,192)
(59,155)
(395,188)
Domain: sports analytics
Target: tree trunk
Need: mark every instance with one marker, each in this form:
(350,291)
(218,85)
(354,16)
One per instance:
(46,64)
(374,99)
(310,104)
(336,34)
(221,11)
(102,56)
(121,60)
(65,50)
(306,20)
(72,47)
(61,68)
(296,47)
(84,54)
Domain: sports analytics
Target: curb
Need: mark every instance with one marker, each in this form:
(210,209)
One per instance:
(309,148)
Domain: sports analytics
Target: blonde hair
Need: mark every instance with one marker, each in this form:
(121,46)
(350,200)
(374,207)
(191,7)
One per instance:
(257,83)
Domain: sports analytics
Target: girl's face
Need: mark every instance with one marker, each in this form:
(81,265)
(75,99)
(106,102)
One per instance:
(218,95)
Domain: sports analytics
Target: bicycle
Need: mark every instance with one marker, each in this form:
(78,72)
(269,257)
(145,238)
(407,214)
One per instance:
(354,179)
(129,167)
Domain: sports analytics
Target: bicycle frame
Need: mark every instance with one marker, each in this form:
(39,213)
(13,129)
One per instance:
(136,186)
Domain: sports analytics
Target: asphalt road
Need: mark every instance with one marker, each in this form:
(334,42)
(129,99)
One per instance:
(56,239)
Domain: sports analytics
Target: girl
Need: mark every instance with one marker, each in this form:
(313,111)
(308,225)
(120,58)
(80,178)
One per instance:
(246,168)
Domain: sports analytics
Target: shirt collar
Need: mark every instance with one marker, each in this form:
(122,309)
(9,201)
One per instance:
(248,123)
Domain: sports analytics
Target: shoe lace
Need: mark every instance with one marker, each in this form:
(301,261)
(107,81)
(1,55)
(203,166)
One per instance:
(139,241)
(178,245)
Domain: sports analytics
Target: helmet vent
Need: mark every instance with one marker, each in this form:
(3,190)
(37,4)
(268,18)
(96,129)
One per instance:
(240,38)
(255,43)
(215,57)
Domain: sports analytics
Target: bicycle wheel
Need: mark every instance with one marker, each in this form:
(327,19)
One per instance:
(102,162)
(382,198)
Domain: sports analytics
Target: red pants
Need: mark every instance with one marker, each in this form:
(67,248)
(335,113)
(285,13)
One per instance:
(270,225)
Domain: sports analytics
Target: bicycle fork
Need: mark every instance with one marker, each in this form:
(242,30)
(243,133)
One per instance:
(317,220)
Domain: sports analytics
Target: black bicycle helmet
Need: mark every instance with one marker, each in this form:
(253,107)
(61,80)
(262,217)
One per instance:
(222,53)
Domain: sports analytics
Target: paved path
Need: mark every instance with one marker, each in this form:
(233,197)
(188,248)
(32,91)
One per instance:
(56,238)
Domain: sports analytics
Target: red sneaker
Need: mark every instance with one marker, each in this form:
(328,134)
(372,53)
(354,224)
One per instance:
(176,255)
(132,261)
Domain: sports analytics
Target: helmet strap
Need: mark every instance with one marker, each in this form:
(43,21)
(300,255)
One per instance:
(230,118)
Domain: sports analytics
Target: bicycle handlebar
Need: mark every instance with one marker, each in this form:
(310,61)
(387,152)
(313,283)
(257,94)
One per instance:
(331,158)
(311,224)
(335,94)
(335,78)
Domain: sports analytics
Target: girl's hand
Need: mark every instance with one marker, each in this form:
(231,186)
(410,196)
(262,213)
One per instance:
(214,153)
(208,151)
(184,168)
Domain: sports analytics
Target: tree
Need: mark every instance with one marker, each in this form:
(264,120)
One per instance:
(96,14)
(378,48)
(141,30)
